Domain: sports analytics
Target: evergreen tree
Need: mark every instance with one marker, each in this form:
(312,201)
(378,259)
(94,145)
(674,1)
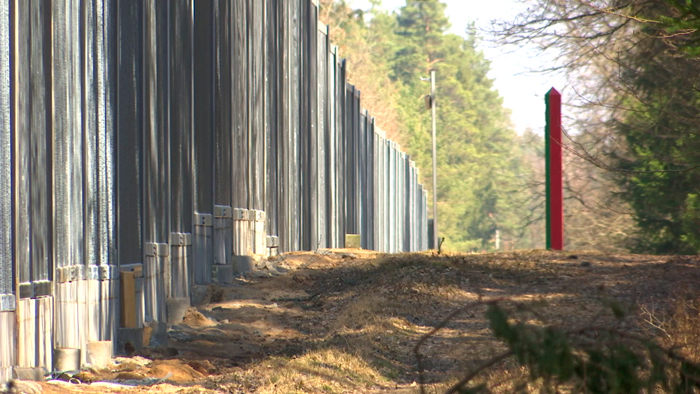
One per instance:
(478,153)
(661,167)
(481,168)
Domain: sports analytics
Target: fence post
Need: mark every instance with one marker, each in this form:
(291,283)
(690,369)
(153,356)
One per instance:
(553,157)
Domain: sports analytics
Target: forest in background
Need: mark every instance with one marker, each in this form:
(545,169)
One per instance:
(483,176)
(490,178)
(634,66)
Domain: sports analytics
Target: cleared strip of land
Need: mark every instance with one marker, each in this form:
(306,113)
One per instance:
(347,321)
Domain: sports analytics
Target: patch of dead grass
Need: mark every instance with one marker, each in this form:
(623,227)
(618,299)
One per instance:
(321,371)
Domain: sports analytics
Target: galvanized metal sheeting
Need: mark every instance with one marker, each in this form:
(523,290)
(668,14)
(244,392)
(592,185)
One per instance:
(68,134)
(181,115)
(6,235)
(129,132)
(181,166)
(140,126)
(399,213)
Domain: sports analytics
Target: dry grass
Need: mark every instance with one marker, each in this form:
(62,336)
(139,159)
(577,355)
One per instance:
(677,326)
(320,371)
(345,325)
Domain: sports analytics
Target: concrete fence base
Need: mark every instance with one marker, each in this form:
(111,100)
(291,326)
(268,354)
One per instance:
(66,359)
(99,353)
(8,352)
(36,332)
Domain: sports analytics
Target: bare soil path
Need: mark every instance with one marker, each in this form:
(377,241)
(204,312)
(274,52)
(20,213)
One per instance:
(346,321)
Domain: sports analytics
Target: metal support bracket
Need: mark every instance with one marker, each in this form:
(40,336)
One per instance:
(40,288)
(103,272)
(71,273)
(223,211)
(26,290)
(249,215)
(203,219)
(43,288)
(272,242)
(180,239)
(8,303)
(157,249)
(240,214)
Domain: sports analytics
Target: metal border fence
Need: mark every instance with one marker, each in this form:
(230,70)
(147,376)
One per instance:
(168,142)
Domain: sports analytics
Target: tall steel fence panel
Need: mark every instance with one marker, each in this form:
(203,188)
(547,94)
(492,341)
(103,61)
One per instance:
(308,123)
(283,125)
(7,272)
(341,147)
(361,186)
(68,165)
(331,151)
(232,102)
(369,182)
(256,63)
(412,210)
(6,231)
(352,132)
(225,92)
(408,205)
(272,100)
(378,199)
(129,144)
(401,201)
(349,176)
(386,203)
(181,125)
(226,19)
(403,161)
(426,241)
(295,169)
(157,158)
(305,124)
(32,148)
(129,138)
(259,119)
(391,196)
(391,190)
(203,141)
(99,120)
(68,138)
(393,199)
(419,216)
(383,211)
(321,141)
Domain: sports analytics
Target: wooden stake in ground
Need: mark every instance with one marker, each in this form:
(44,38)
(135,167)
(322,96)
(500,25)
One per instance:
(553,157)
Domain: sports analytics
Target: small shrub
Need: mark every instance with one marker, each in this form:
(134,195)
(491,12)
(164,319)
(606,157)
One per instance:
(590,359)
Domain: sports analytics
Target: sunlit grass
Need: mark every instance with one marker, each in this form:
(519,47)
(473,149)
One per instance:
(321,371)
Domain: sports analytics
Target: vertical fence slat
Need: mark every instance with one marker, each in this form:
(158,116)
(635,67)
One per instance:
(129,133)
(202,140)
(6,231)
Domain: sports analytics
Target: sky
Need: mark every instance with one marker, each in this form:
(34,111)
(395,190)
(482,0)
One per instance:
(511,68)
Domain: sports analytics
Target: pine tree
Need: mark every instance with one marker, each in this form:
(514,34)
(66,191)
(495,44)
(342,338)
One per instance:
(480,164)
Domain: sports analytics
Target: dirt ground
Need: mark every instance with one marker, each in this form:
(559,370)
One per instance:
(346,321)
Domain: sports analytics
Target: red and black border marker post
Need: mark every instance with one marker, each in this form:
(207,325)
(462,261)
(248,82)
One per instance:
(553,157)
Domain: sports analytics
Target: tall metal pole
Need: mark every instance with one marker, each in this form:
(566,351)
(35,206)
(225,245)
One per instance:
(553,152)
(433,102)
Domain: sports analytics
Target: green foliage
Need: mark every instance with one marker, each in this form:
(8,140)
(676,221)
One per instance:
(481,168)
(589,359)
(661,167)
